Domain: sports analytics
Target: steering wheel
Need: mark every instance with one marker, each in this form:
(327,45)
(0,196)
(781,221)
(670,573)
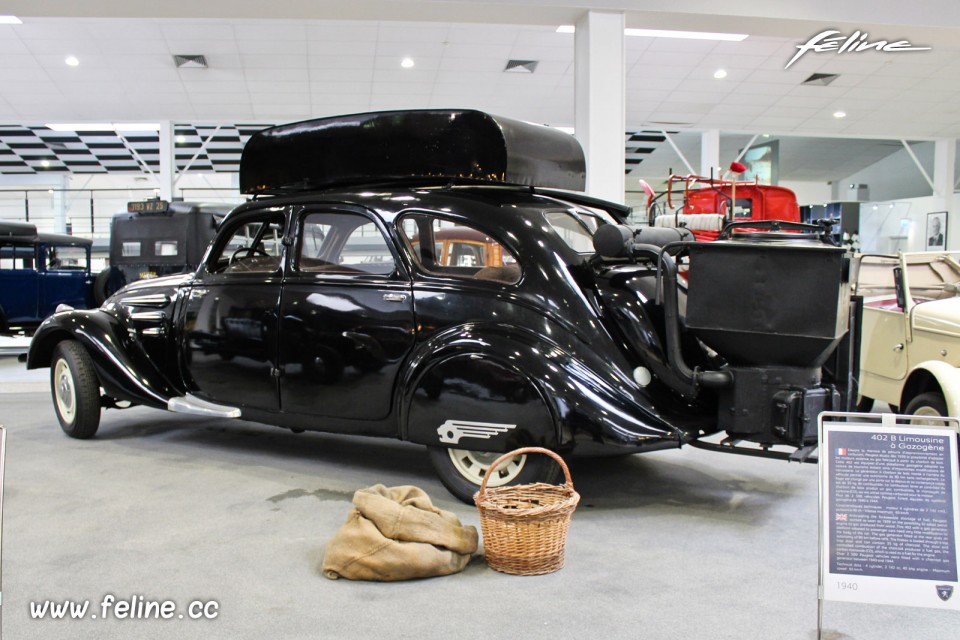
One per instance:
(249,251)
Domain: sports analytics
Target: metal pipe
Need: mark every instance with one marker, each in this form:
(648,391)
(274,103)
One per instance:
(671,316)
(680,377)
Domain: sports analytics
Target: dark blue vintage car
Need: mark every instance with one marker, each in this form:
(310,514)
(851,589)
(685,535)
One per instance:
(334,301)
(38,272)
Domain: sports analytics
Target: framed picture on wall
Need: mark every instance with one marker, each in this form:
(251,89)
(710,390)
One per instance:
(936,231)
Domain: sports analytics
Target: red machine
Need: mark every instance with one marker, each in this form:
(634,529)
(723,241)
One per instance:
(710,203)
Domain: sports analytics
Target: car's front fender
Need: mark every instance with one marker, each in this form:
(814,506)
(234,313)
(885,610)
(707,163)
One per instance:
(945,375)
(123,366)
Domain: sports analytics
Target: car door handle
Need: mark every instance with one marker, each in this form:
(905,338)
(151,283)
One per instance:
(898,346)
(394,297)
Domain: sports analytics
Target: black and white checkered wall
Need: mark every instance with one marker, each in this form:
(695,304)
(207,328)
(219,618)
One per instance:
(38,149)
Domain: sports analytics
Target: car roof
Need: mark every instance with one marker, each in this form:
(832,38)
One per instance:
(26,233)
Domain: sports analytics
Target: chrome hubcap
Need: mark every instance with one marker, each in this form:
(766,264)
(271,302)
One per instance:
(64,391)
(472,465)
(928,412)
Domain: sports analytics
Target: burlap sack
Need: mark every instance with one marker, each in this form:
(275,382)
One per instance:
(395,533)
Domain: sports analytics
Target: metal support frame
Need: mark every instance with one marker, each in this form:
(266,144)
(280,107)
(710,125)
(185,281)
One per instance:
(683,158)
(743,152)
(203,147)
(916,161)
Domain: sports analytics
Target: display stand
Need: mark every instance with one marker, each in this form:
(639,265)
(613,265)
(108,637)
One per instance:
(889,510)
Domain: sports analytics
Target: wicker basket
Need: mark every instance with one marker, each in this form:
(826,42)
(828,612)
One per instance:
(525,526)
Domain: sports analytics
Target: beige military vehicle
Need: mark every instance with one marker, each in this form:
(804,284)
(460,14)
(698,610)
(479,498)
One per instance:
(910,338)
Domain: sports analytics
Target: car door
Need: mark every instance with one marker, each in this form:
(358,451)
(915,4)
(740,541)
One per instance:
(229,339)
(883,339)
(19,284)
(346,317)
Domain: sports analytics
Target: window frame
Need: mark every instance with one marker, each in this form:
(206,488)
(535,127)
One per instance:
(227,232)
(399,271)
(424,271)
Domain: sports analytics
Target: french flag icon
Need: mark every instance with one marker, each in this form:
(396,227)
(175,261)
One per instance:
(841,452)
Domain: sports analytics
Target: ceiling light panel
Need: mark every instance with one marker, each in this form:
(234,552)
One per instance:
(669,33)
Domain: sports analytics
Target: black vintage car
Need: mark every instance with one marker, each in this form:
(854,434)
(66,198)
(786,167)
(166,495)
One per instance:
(324,304)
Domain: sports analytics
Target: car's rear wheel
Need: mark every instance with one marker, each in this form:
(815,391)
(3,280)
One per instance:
(75,389)
(930,404)
(461,471)
(865,404)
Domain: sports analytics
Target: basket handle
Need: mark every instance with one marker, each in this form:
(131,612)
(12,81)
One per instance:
(516,452)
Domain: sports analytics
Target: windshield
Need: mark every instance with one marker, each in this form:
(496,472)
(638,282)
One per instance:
(928,277)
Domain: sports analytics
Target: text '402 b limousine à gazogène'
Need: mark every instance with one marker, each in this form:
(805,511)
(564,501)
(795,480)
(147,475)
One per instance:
(436,276)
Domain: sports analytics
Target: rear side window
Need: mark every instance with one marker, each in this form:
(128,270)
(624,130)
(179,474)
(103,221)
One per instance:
(448,248)
(575,230)
(16,257)
(343,243)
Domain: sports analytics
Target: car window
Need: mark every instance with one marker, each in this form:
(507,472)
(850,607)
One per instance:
(16,257)
(445,247)
(255,246)
(343,243)
(66,259)
(576,230)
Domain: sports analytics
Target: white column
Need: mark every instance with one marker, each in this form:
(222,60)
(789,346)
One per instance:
(944,165)
(60,205)
(600,101)
(168,167)
(710,153)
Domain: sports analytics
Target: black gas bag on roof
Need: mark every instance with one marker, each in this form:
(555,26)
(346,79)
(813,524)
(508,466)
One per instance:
(453,145)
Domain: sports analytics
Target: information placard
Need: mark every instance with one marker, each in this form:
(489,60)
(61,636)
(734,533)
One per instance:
(890,515)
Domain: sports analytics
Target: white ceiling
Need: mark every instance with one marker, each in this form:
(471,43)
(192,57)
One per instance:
(263,69)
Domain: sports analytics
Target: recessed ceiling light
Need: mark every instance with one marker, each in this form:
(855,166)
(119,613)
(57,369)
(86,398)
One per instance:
(720,74)
(104,126)
(407,63)
(50,191)
(81,126)
(45,163)
(10,20)
(181,139)
(136,126)
(667,33)
(839,114)
(72,61)
(766,135)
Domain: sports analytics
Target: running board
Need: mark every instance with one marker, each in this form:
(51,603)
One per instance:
(730,445)
(196,406)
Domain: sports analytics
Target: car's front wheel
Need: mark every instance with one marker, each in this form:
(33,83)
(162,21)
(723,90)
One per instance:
(931,404)
(461,471)
(75,389)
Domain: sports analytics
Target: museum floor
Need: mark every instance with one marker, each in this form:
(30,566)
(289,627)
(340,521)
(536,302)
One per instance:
(677,544)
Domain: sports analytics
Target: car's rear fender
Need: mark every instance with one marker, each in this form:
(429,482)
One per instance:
(495,387)
(123,366)
(929,376)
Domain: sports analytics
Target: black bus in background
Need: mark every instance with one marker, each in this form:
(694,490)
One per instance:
(156,238)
